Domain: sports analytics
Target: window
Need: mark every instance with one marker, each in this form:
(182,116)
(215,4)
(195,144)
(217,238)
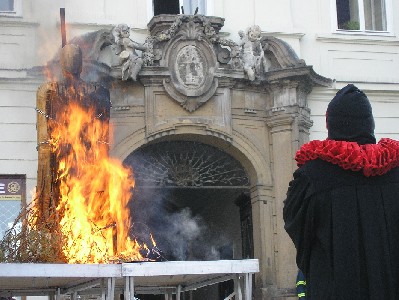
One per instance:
(10,7)
(6,5)
(166,7)
(363,15)
(190,7)
(174,6)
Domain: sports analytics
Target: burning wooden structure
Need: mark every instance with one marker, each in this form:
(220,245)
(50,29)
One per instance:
(80,212)
(53,100)
(82,193)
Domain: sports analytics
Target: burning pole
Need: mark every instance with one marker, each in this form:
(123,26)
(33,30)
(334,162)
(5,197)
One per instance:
(63,30)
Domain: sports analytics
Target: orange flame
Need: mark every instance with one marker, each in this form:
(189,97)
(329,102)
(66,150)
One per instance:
(94,190)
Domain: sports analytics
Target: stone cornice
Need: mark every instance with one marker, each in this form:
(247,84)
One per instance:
(237,77)
(305,122)
(20,84)
(88,26)
(6,21)
(102,26)
(280,122)
(162,22)
(307,71)
(184,128)
(358,39)
(279,34)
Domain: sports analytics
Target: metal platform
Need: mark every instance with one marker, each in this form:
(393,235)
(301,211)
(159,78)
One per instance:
(107,280)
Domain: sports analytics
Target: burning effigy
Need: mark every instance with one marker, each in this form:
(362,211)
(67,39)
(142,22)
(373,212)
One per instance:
(79,213)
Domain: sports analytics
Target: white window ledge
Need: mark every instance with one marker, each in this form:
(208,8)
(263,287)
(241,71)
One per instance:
(364,32)
(354,37)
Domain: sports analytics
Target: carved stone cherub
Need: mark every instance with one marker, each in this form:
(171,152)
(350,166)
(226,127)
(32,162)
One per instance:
(126,49)
(252,54)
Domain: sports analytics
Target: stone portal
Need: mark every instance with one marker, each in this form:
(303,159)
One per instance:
(247,98)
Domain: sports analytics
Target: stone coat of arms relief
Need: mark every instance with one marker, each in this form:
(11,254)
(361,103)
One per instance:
(189,66)
(192,62)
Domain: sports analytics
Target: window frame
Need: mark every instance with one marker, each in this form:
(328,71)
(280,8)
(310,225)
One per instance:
(207,5)
(193,9)
(362,23)
(17,12)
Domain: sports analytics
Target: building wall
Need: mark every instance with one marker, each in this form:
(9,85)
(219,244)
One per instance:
(367,59)
(32,38)
(18,127)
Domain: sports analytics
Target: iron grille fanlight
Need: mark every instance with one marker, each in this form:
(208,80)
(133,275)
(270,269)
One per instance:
(185,164)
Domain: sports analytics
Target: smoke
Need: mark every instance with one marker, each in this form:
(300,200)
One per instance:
(178,232)
(187,222)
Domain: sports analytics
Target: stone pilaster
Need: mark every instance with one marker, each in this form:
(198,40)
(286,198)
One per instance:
(288,122)
(263,235)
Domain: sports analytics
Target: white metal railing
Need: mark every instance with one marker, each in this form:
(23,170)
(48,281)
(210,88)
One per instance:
(106,280)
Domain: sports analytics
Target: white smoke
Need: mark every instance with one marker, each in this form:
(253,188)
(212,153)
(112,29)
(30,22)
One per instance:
(178,232)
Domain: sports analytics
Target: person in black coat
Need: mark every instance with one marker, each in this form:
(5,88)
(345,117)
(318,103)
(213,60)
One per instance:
(342,207)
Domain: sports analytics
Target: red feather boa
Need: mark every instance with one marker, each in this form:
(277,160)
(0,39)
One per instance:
(372,159)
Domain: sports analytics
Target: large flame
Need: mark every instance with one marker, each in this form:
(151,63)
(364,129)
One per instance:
(94,190)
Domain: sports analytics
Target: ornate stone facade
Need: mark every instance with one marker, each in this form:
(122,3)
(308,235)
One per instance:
(247,98)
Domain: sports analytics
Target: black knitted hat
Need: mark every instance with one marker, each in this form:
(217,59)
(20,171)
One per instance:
(350,117)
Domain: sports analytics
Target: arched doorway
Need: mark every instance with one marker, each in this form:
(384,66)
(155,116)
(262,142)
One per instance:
(194,199)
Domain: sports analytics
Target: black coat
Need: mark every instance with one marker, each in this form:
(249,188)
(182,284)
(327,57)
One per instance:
(345,227)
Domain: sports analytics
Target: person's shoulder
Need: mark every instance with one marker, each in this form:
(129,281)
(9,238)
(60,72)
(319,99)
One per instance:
(316,168)
(325,175)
